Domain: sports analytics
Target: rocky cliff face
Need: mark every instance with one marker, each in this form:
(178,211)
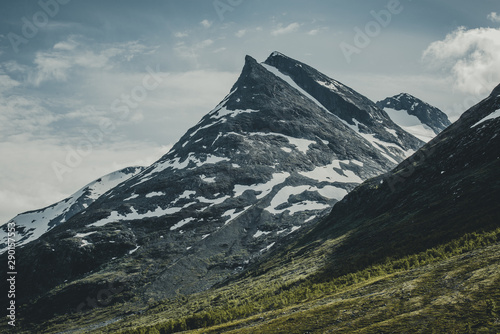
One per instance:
(281,148)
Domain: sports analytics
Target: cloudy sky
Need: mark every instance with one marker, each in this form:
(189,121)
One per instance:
(88,87)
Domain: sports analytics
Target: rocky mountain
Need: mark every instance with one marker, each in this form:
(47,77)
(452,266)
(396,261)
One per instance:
(413,250)
(281,148)
(33,224)
(415,116)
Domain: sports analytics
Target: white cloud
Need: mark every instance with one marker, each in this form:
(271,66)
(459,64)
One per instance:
(56,64)
(240,33)
(181,34)
(313,32)
(470,57)
(494,17)
(6,82)
(280,30)
(66,45)
(13,66)
(192,52)
(206,23)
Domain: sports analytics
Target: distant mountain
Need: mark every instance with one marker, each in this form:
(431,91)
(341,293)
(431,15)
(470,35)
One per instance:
(281,148)
(33,224)
(415,116)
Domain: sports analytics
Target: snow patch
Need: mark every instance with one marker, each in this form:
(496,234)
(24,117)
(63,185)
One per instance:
(134,215)
(156,193)
(177,164)
(284,194)
(181,223)
(83,235)
(263,188)
(267,248)
(133,250)
(233,214)
(224,112)
(260,233)
(493,115)
(309,219)
(411,124)
(207,179)
(392,132)
(300,143)
(131,197)
(186,195)
(292,83)
(85,243)
(328,174)
(214,201)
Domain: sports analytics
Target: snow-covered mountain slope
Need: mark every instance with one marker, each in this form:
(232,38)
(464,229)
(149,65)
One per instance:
(32,224)
(355,110)
(415,116)
(270,159)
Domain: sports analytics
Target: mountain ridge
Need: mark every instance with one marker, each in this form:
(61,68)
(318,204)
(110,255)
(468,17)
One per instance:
(32,224)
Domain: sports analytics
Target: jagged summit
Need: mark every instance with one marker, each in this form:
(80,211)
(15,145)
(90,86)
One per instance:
(415,116)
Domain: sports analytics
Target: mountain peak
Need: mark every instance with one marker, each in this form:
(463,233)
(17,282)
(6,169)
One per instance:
(277,54)
(249,59)
(414,115)
(406,95)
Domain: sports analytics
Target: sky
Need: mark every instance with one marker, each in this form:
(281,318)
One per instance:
(89,87)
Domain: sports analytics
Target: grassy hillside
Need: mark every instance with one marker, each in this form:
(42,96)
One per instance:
(449,288)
